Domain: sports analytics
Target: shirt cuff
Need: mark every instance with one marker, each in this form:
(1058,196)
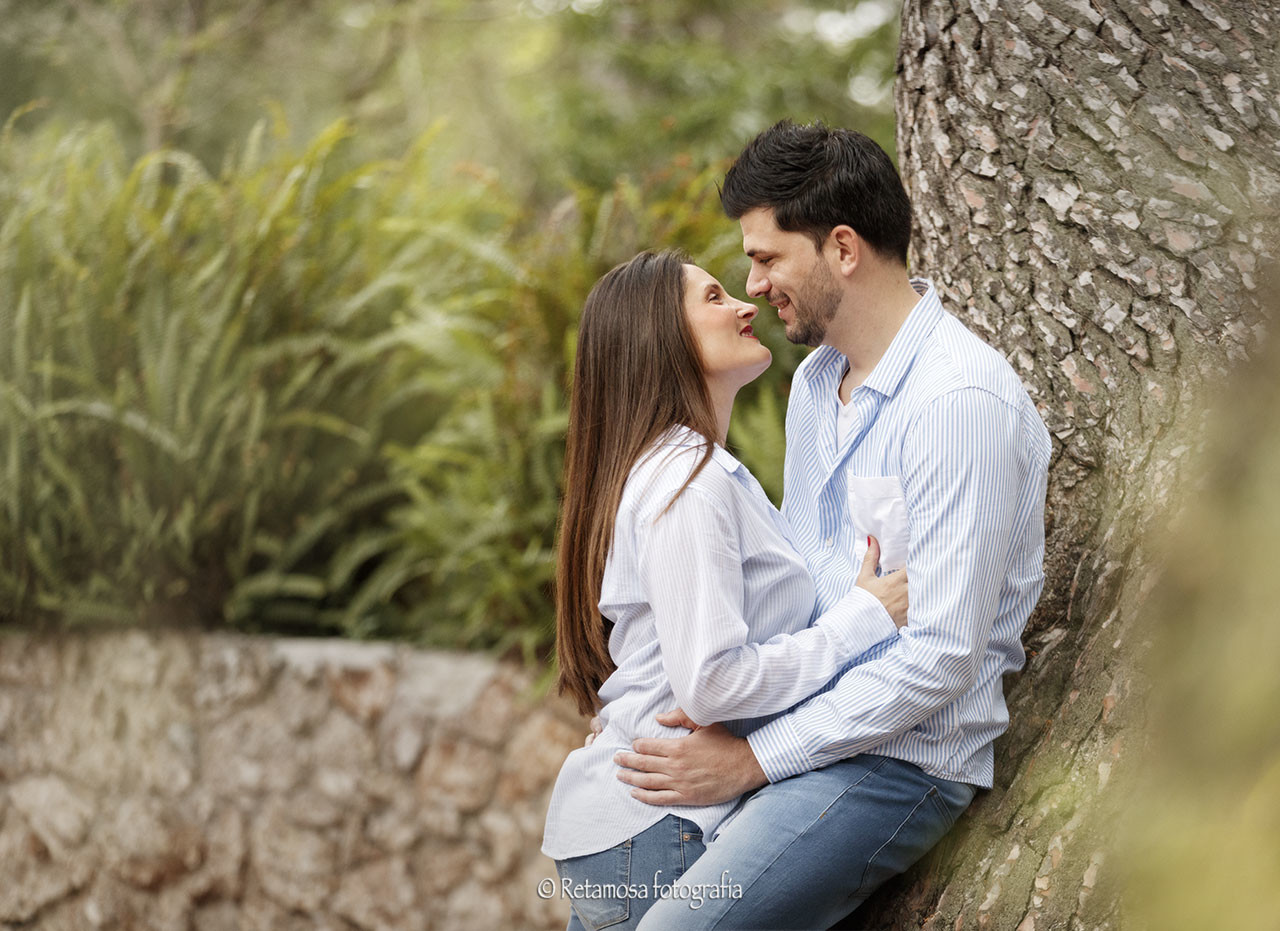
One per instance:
(778,750)
(860,621)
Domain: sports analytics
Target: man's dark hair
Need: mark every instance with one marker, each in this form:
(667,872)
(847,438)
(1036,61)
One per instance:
(815,179)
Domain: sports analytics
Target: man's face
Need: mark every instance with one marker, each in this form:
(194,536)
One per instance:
(791,274)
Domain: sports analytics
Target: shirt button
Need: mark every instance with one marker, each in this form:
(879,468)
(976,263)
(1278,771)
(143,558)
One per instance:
(827,543)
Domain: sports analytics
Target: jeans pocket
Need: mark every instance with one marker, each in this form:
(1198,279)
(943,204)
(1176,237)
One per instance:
(948,810)
(599,885)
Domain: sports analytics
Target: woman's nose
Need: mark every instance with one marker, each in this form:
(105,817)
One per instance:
(747,311)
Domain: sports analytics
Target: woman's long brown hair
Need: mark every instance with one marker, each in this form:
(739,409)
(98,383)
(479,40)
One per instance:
(637,374)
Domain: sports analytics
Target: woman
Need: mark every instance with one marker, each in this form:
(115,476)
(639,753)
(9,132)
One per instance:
(706,604)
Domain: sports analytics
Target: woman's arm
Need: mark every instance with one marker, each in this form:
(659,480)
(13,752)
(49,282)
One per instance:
(691,567)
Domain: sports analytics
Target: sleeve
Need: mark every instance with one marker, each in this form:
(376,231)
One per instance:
(960,477)
(691,566)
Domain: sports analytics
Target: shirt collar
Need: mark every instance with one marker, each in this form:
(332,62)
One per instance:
(830,364)
(681,436)
(893,366)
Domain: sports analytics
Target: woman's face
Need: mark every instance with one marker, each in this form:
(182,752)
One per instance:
(731,353)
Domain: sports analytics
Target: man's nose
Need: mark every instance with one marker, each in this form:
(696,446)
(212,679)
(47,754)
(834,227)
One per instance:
(757,283)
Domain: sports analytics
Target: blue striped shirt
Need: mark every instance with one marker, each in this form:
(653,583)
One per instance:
(711,606)
(946,463)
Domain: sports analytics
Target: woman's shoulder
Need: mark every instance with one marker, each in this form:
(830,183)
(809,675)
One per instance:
(666,468)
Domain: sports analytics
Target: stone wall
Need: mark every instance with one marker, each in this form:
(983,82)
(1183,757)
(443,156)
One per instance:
(209,782)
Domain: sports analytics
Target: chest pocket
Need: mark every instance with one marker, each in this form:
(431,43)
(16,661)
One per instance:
(877,507)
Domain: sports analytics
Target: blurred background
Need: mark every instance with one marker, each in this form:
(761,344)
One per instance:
(288,293)
(289,287)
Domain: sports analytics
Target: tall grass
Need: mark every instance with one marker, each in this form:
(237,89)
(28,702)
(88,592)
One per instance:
(201,372)
(301,393)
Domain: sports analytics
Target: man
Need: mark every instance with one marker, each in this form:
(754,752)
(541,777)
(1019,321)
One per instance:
(905,426)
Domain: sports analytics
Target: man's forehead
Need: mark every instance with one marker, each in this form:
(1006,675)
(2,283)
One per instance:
(760,219)
(760,231)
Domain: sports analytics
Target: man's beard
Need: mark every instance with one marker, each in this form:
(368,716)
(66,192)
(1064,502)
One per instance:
(818,304)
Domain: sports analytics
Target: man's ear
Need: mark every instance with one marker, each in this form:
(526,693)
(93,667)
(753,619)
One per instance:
(847,247)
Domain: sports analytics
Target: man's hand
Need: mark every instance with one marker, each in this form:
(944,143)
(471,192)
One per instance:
(708,766)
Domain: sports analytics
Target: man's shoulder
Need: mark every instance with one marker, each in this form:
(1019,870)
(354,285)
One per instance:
(958,360)
(966,376)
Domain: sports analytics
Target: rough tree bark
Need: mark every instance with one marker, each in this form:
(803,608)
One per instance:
(1095,186)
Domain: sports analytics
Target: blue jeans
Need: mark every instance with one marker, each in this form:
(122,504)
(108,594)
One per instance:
(615,887)
(806,851)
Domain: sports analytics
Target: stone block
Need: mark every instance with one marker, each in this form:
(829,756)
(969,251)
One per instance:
(148,845)
(394,829)
(32,876)
(500,832)
(440,820)
(311,658)
(526,907)
(216,916)
(231,672)
(440,867)
(342,744)
(58,815)
(443,685)
(402,735)
(134,659)
(474,905)
(251,752)
(299,704)
(495,712)
(378,896)
(219,877)
(27,660)
(458,772)
(313,808)
(294,866)
(534,756)
(212,782)
(365,693)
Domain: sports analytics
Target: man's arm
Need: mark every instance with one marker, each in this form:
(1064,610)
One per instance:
(961,476)
(708,766)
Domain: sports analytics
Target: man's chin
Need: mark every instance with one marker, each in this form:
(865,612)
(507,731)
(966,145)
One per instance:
(803,337)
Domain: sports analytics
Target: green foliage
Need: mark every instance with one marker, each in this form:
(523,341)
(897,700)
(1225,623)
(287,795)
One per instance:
(202,373)
(551,93)
(308,373)
(308,394)
(484,484)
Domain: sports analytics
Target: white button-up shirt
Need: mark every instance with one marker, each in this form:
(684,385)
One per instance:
(945,462)
(711,606)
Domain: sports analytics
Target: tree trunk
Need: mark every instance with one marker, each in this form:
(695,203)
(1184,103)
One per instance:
(1095,186)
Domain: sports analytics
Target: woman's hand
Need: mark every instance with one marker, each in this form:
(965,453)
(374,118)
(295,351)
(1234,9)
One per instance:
(890,590)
